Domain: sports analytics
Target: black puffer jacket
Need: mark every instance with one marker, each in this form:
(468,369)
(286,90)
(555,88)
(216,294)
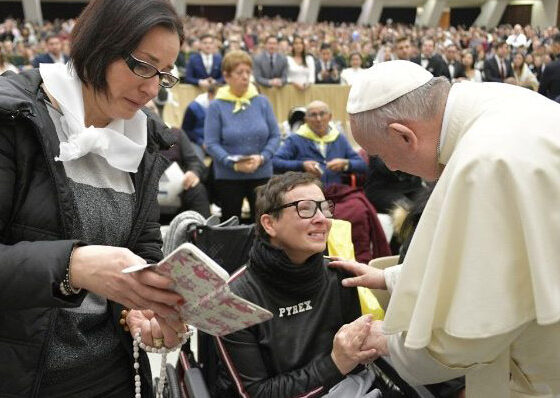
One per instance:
(36,216)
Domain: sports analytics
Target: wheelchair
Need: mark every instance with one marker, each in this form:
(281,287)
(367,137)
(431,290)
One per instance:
(228,244)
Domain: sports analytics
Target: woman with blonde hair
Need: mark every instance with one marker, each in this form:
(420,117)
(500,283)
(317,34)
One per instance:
(241,135)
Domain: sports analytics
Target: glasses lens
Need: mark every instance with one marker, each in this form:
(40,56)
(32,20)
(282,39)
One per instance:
(167,80)
(306,208)
(144,70)
(327,208)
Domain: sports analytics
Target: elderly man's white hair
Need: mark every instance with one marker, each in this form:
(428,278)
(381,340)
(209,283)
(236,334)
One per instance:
(423,103)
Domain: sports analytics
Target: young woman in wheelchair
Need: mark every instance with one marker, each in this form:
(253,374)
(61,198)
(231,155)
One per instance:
(316,335)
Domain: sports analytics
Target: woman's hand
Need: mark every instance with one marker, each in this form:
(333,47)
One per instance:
(347,350)
(312,167)
(366,276)
(153,327)
(250,165)
(98,270)
(190,180)
(337,164)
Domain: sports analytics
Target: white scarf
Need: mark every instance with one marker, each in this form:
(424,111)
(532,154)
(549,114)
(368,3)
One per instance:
(122,143)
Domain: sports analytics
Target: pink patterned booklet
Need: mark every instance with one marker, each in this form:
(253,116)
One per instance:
(210,305)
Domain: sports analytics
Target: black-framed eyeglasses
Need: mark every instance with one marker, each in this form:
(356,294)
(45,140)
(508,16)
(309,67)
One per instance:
(307,208)
(147,71)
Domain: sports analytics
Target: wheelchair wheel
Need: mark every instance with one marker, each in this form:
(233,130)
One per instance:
(172,385)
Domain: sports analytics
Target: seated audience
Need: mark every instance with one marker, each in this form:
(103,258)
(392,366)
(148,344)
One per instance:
(430,60)
(204,68)
(5,65)
(271,67)
(350,75)
(301,66)
(550,80)
(318,148)
(455,67)
(193,120)
(522,75)
(54,52)
(194,195)
(241,135)
(385,188)
(315,337)
(471,74)
(498,68)
(327,70)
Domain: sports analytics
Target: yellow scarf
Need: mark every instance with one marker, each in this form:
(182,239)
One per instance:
(241,103)
(306,132)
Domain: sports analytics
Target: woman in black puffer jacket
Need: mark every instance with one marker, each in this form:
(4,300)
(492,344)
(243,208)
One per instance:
(79,172)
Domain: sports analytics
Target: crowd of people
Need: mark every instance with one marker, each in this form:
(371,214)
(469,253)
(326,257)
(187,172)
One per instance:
(302,54)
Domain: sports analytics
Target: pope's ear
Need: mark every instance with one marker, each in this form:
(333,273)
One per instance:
(403,135)
(267,222)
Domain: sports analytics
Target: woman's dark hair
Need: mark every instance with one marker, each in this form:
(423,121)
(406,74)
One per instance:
(109,29)
(271,195)
(303,53)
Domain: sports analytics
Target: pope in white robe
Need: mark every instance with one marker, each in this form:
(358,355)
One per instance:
(479,291)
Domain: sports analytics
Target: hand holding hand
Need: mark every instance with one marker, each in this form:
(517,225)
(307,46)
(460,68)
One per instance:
(98,270)
(366,276)
(153,327)
(190,180)
(347,350)
(337,164)
(376,339)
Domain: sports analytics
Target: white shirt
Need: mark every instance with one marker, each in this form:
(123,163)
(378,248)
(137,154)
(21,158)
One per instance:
(207,61)
(301,74)
(350,75)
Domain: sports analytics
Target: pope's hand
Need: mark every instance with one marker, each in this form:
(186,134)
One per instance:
(376,339)
(366,276)
(347,350)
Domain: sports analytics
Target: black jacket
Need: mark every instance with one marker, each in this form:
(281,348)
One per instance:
(436,65)
(550,81)
(36,216)
(289,355)
(492,70)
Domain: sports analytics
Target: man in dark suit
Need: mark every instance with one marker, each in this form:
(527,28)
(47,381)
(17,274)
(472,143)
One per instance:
(270,68)
(550,80)
(431,61)
(54,52)
(456,68)
(498,68)
(327,70)
(204,68)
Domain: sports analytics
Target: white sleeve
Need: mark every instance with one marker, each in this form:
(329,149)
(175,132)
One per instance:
(391,276)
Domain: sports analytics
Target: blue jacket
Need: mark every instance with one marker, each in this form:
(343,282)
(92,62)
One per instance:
(196,70)
(297,149)
(248,132)
(193,122)
(45,59)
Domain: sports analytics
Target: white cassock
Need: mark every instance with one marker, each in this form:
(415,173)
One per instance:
(479,291)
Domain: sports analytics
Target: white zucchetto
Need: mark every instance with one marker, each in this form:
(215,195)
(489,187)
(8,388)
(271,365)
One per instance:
(385,82)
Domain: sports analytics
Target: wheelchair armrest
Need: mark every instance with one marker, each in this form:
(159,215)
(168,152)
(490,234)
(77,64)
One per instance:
(194,383)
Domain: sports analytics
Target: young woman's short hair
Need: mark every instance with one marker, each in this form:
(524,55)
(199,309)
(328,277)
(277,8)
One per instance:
(271,195)
(110,29)
(234,58)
